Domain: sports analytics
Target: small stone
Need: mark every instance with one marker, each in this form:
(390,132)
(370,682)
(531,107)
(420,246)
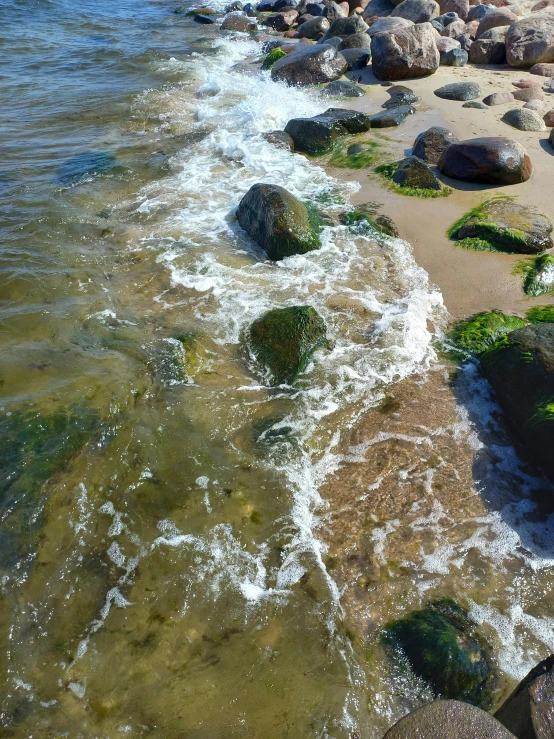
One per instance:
(478,12)
(310,65)
(413,172)
(459,91)
(342,89)
(537,105)
(393,117)
(474,104)
(498,98)
(524,120)
(549,119)
(544,70)
(529,93)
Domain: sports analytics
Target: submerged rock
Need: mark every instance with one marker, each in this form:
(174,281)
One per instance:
(317,134)
(443,649)
(278,222)
(489,160)
(431,144)
(448,719)
(284,339)
(520,369)
(280,139)
(528,712)
(342,89)
(413,172)
(405,53)
(459,91)
(310,65)
(393,117)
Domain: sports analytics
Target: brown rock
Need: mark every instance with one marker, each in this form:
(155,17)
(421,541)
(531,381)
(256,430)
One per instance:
(530,41)
(541,5)
(310,65)
(281,21)
(529,93)
(491,160)
(525,84)
(537,105)
(456,6)
(487,51)
(549,119)
(238,23)
(313,27)
(453,30)
(404,54)
(280,139)
(498,98)
(544,70)
(498,17)
(417,11)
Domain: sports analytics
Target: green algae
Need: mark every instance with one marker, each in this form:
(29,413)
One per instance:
(284,339)
(355,156)
(541,314)
(364,222)
(544,412)
(273,56)
(531,270)
(387,172)
(481,332)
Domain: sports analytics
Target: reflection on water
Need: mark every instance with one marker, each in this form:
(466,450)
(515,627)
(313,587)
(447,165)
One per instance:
(164,571)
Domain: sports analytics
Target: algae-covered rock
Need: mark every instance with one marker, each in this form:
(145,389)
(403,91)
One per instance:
(278,222)
(538,275)
(502,224)
(413,172)
(540,314)
(443,649)
(363,220)
(480,332)
(284,339)
(273,56)
(176,360)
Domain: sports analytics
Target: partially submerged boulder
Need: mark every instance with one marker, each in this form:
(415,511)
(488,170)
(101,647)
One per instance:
(240,23)
(442,647)
(405,53)
(310,65)
(342,89)
(284,339)
(520,369)
(278,222)
(430,144)
(527,713)
(491,160)
(530,40)
(317,134)
(413,172)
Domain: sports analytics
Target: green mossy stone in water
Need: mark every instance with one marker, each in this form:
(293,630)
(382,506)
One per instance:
(278,222)
(441,647)
(538,275)
(541,314)
(355,156)
(480,332)
(272,57)
(284,339)
(362,221)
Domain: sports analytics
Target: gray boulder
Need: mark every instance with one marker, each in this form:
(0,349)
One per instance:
(406,53)
(454,58)
(478,12)
(524,120)
(333,10)
(358,40)
(344,27)
(310,65)
(531,40)
(317,134)
(459,91)
(399,95)
(388,24)
(527,713)
(356,58)
(497,17)
(431,144)
(417,11)
(393,117)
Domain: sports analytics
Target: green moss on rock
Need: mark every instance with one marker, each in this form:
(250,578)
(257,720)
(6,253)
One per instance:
(365,222)
(541,314)
(284,339)
(355,156)
(273,56)
(389,171)
(480,333)
(443,649)
(538,275)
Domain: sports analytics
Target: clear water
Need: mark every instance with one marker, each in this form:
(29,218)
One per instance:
(165,546)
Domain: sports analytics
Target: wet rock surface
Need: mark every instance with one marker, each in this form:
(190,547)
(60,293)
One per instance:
(399,95)
(488,160)
(413,172)
(317,134)
(431,144)
(529,711)
(310,65)
(393,117)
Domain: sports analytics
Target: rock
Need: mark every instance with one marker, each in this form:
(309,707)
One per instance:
(236,6)
(284,339)
(284,5)
(333,10)
(474,104)
(527,713)
(499,98)
(356,58)
(265,6)
(541,5)
(549,119)
(508,226)
(317,134)
(453,30)
(413,172)
(524,120)
(277,221)
(445,44)
(487,51)
(281,139)
(459,91)
(205,20)
(537,105)
(313,27)
(356,41)
(445,19)
(281,21)
(250,10)
(342,89)
(549,86)
(334,41)
(480,332)
(461,7)
(489,160)
(465,42)
(388,24)
(393,117)
(309,66)
(457,720)
(431,144)
(442,647)
(498,33)
(521,372)
(405,53)
(530,41)
(238,23)
(344,27)
(454,58)
(497,17)
(529,93)
(544,70)
(399,95)
(314,9)
(417,11)
(478,12)
(525,84)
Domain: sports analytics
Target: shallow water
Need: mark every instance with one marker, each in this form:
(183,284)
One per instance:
(166,552)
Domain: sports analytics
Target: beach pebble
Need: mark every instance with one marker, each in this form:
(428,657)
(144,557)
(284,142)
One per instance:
(332,11)
(490,160)
(478,12)
(280,139)
(344,27)
(498,98)
(459,91)
(388,24)
(529,93)
(461,7)
(240,23)
(413,172)
(430,144)
(233,7)
(524,120)
(548,119)
(281,21)
(318,133)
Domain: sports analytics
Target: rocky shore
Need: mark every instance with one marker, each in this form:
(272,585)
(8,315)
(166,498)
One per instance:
(444,115)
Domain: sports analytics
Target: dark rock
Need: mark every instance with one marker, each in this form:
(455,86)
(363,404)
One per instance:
(342,89)
(530,40)
(318,134)
(392,117)
(266,6)
(465,41)
(459,91)
(388,24)
(528,712)
(386,225)
(524,120)
(431,144)
(413,172)
(281,139)
(332,11)
(313,27)
(237,5)
(356,58)
(310,65)
(284,339)
(335,42)
(499,98)
(314,9)
(344,27)
(498,33)
(454,58)
(205,20)
(281,4)
(250,10)
(445,19)
(487,51)
(239,23)
(534,92)
(457,720)
(400,95)
(405,53)
(478,12)
(441,644)
(474,104)
(491,160)
(521,372)
(358,40)
(508,226)
(277,221)
(281,21)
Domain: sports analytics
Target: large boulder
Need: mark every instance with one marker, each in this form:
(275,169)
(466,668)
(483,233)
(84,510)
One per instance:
(278,222)
(528,712)
(388,24)
(491,160)
(443,648)
(405,53)
(413,172)
(520,370)
(356,58)
(240,23)
(333,10)
(498,17)
(448,719)
(431,144)
(460,7)
(310,65)
(487,51)
(417,11)
(284,339)
(358,40)
(317,134)
(530,40)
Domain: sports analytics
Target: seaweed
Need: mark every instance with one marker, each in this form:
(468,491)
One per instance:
(354,156)
(273,56)
(482,332)
(541,314)
(531,270)
(388,170)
